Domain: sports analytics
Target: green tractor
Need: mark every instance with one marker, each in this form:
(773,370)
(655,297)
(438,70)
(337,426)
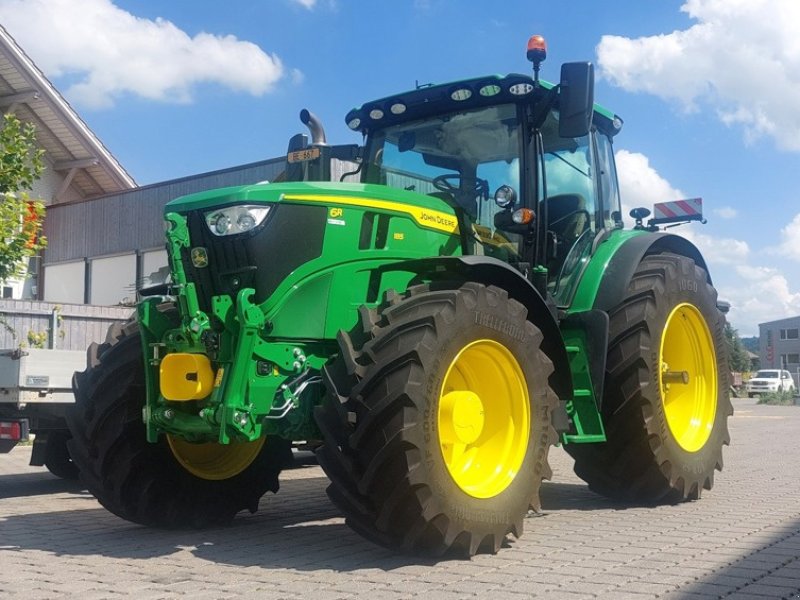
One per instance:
(430,331)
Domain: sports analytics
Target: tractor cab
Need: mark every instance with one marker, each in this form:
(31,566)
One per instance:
(526,165)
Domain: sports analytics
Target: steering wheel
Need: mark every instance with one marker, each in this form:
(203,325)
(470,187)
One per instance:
(452,183)
(572,214)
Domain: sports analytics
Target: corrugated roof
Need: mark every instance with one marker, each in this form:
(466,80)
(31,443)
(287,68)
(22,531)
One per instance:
(72,148)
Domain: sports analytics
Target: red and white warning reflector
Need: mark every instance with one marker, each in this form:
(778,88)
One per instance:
(690,209)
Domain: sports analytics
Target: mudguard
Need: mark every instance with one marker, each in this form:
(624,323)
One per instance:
(492,271)
(623,263)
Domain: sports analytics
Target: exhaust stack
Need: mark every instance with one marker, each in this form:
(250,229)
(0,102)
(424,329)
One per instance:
(314,126)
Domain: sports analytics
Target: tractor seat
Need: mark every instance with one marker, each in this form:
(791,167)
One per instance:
(567,216)
(568,219)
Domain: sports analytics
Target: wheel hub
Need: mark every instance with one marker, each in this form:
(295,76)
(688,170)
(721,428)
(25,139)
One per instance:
(462,416)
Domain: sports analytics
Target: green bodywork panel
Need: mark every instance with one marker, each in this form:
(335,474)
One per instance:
(597,269)
(583,407)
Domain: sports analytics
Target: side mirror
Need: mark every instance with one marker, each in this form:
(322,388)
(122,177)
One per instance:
(576,99)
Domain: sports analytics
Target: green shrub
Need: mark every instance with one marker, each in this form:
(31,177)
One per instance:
(777,398)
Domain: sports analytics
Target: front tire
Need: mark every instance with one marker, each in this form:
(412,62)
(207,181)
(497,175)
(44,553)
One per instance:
(149,483)
(666,402)
(438,422)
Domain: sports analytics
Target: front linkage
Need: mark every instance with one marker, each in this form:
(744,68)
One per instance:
(213,377)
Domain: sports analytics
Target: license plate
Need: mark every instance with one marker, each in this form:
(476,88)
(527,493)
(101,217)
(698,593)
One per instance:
(303,155)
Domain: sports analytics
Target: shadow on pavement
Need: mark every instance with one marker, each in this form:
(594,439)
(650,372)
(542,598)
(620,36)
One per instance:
(37,484)
(297,529)
(770,569)
(574,496)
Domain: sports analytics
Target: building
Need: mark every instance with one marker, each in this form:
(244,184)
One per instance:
(77,165)
(779,345)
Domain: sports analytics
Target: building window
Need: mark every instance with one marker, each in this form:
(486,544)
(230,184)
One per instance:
(8,292)
(113,280)
(64,282)
(790,334)
(790,359)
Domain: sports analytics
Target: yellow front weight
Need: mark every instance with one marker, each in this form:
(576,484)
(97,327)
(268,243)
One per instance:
(185,377)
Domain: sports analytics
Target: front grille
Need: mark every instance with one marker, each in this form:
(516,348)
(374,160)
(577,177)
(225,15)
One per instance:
(291,235)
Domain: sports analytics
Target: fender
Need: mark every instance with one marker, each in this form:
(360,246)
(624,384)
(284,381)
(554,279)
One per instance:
(625,260)
(491,271)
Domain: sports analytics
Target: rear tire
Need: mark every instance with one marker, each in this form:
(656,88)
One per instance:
(143,482)
(419,390)
(664,440)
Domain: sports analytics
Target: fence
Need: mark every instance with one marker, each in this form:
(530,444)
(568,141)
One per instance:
(51,325)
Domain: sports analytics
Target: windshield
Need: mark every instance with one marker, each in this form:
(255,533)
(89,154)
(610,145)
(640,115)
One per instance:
(768,375)
(460,157)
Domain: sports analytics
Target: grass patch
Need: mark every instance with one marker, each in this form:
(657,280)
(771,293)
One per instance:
(781,398)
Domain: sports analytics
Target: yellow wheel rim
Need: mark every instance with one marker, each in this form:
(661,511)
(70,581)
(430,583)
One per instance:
(688,377)
(484,418)
(214,461)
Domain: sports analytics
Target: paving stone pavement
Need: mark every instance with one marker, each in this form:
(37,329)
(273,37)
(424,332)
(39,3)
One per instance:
(742,540)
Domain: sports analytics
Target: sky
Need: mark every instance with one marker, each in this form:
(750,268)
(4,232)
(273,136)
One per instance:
(709,92)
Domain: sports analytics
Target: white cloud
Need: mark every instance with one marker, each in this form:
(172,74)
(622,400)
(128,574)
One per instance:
(742,58)
(790,241)
(309,4)
(108,52)
(297,76)
(726,212)
(757,293)
(640,184)
(715,250)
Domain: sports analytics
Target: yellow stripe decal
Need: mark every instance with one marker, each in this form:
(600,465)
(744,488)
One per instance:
(425,217)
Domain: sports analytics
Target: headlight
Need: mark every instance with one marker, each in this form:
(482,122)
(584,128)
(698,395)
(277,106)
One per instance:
(235,219)
(505,196)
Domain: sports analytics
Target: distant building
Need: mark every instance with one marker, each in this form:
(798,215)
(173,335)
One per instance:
(779,345)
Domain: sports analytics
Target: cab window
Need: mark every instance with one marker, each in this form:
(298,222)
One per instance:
(607,178)
(569,206)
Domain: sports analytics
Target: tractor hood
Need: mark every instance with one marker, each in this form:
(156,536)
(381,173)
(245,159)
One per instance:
(426,210)
(360,194)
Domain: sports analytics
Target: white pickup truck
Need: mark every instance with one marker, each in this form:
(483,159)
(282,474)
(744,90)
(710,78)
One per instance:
(35,391)
(770,380)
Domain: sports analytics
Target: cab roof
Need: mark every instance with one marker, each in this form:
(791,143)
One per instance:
(467,94)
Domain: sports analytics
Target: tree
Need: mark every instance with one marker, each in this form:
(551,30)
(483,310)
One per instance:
(738,360)
(20,217)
